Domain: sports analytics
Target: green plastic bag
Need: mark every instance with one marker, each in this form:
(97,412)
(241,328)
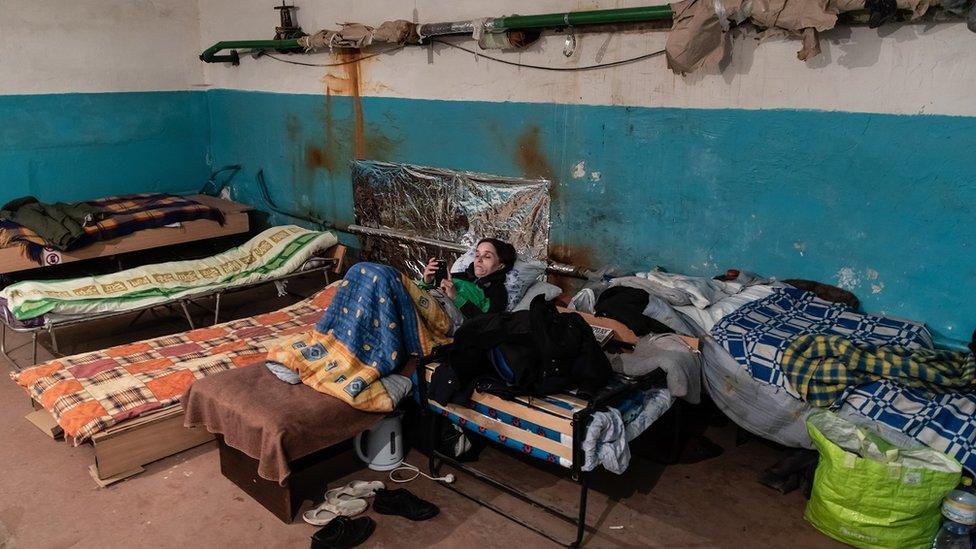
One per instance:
(869,493)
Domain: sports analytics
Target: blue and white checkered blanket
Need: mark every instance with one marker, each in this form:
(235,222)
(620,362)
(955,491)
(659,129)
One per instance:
(758,333)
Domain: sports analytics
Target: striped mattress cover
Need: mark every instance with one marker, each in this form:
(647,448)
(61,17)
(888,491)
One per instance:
(542,427)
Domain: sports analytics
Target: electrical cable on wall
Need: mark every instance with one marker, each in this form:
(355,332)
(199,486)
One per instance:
(545,68)
(263,186)
(488,57)
(340,63)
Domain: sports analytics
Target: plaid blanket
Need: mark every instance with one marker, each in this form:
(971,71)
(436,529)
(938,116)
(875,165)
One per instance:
(377,320)
(822,367)
(945,422)
(123,215)
(758,334)
(90,392)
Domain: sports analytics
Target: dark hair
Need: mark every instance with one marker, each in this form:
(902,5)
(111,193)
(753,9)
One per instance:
(504,251)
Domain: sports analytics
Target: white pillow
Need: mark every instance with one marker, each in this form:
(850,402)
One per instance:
(523,275)
(541,287)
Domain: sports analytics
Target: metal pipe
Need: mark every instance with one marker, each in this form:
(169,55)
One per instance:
(209,55)
(579,18)
(552,266)
(494,25)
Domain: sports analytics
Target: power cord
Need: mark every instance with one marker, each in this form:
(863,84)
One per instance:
(481,55)
(338,64)
(545,68)
(448,478)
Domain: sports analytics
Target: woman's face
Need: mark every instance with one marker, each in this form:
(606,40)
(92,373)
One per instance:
(486,260)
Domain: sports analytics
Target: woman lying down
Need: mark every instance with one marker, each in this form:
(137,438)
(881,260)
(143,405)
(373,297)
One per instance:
(379,317)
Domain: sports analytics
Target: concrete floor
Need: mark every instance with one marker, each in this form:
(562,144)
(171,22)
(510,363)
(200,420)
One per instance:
(48,499)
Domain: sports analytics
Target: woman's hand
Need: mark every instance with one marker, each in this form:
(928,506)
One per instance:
(447,286)
(429,270)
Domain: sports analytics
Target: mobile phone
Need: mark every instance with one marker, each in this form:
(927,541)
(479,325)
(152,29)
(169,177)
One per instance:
(441,272)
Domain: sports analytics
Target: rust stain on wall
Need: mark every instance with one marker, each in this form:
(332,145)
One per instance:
(530,156)
(349,81)
(578,256)
(314,157)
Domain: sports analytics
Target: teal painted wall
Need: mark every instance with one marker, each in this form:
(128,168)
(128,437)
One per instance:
(881,203)
(78,146)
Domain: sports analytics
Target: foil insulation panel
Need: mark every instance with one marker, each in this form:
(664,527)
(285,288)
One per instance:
(447,205)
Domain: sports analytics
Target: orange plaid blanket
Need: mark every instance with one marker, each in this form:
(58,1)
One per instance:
(90,392)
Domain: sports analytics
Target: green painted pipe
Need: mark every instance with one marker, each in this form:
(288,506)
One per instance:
(577,18)
(210,54)
(499,24)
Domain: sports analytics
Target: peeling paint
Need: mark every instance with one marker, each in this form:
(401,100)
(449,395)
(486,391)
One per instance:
(596,176)
(579,170)
(847,278)
(877,288)
(872,274)
(800,247)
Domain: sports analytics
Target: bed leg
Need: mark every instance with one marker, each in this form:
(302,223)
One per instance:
(54,341)
(186,313)
(581,524)
(217,308)
(432,466)
(34,347)
(3,346)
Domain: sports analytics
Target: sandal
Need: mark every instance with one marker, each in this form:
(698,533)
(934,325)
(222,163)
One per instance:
(357,489)
(333,507)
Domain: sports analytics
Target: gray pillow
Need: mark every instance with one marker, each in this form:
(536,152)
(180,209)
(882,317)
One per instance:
(540,287)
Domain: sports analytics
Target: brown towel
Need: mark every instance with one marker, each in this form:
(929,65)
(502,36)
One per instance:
(270,420)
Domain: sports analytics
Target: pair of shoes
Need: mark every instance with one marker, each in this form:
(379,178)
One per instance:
(794,471)
(343,532)
(345,501)
(699,448)
(403,503)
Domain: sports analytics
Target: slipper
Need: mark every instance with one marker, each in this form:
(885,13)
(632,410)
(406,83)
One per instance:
(333,507)
(403,503)
(343,532)
(357,489)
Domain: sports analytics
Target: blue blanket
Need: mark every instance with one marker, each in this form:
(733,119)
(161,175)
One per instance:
(758,333)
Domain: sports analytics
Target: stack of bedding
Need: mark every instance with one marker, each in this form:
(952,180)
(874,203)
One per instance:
(747,328)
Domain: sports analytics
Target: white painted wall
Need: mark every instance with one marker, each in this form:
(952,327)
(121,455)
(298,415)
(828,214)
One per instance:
(60,46)
(904,70)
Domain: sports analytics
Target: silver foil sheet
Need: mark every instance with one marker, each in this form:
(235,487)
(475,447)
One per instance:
(446,205)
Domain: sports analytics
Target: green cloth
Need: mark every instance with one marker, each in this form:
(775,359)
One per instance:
(60,224)
(469,292)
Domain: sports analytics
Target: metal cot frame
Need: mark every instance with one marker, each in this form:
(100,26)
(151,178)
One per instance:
(579,422)
(329,263)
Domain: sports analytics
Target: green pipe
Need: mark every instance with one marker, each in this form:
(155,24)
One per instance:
(210,54)
(576,18)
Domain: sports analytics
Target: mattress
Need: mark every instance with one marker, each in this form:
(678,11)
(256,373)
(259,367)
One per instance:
(90,392)
(542,427)
(276,252)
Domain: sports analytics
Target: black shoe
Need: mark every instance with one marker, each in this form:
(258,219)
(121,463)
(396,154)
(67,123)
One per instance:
(343,532)
(402,503)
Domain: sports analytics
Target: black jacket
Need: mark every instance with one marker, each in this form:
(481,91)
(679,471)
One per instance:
(492,285)
(546,352)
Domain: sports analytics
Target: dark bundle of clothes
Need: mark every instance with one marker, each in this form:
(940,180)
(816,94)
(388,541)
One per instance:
(627,305)
(536,352)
